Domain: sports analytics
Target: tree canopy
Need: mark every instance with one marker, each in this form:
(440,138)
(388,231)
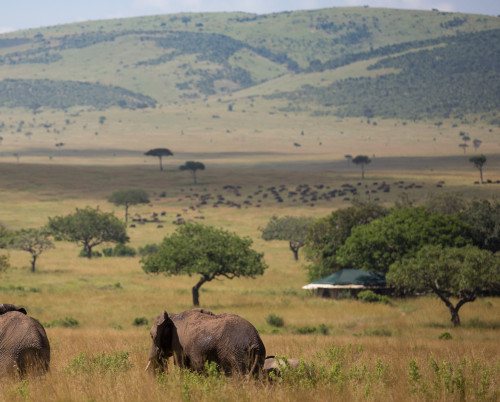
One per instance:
(34,241)
(195,249)
(290,228)
(462,273)
(89,227)
(403,232)
(483,217)
(328,234)
(361,160)
(193,167)
(128,197)
(160,153)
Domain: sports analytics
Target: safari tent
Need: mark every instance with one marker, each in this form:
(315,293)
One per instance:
(350,281)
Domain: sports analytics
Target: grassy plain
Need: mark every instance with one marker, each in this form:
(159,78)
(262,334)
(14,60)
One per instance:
(359,351)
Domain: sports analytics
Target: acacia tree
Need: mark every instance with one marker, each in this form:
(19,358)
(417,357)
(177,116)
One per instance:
(128,198)
(461,273)
(478,162)
(290,228)
(160,153)
(361,160)
(34,241)
(402,233)
(328,234)
(193,166)
(195,249)
(89,227)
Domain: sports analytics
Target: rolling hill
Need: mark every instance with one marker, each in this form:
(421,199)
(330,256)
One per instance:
(188,72)
(140,62)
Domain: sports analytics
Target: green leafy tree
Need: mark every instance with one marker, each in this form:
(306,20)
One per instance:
(462,273)
(478,162)
(34,241)
(326,235)
(290,228)
(128,198)
(361,160)
(483,217)
(374,247)
(160,153)
(89,227)
(195,249)
(193,167)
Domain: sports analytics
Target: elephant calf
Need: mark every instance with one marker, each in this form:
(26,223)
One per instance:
(24,345)
(275,365)
(197,336)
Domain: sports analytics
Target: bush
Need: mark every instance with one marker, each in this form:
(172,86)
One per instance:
(148,249)
(138,321)
(274,320)
(120,250)
(445,335)
(95,253)
(67,322)
(4,263)
(101,363)
(369,296)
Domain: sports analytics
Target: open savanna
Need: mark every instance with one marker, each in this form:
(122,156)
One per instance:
(359,351)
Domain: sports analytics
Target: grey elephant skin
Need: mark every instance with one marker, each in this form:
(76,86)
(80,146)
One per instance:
(24,346)
(196,336)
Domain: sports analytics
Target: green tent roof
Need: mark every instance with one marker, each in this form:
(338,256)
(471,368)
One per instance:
(348,276)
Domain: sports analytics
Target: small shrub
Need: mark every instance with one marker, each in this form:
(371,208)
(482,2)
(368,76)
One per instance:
(138,321)
(67,322)
(148,249)
(306,329)
(369,296)
(101,363)
(95,253)
(275,320)
(122,250)
(445,335)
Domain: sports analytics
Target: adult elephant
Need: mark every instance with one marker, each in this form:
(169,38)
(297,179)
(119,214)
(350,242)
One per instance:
(197,336)
(24,345)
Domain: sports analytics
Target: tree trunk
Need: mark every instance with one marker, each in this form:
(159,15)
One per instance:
(196,293)
(455,318)
(161,166)
(33,261)
(481,175)
(88,249)
(126,213)
(194,176)
(362,171)
(294,246)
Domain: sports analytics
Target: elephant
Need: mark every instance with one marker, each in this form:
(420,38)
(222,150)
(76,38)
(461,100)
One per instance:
(197,336)
(274,364)
(24,345)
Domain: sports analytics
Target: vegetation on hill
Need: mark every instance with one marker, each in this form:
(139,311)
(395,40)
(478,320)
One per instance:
(461,76)
(442,64)
(34,94)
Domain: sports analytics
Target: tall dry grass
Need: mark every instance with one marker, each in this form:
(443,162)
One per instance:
(356,352)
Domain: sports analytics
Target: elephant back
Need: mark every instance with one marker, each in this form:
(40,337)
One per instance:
(23,343)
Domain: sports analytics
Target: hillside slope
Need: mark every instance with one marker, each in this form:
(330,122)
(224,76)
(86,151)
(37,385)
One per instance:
(152,61)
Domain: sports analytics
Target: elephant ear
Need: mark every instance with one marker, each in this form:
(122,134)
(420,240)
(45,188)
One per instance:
(161,330)
(4,308)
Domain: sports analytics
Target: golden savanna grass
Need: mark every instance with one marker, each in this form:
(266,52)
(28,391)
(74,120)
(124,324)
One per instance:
(364,351)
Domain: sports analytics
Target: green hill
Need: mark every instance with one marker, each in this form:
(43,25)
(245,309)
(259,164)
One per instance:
(403,64)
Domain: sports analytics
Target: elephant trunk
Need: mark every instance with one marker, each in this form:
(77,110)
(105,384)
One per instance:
(156,360)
